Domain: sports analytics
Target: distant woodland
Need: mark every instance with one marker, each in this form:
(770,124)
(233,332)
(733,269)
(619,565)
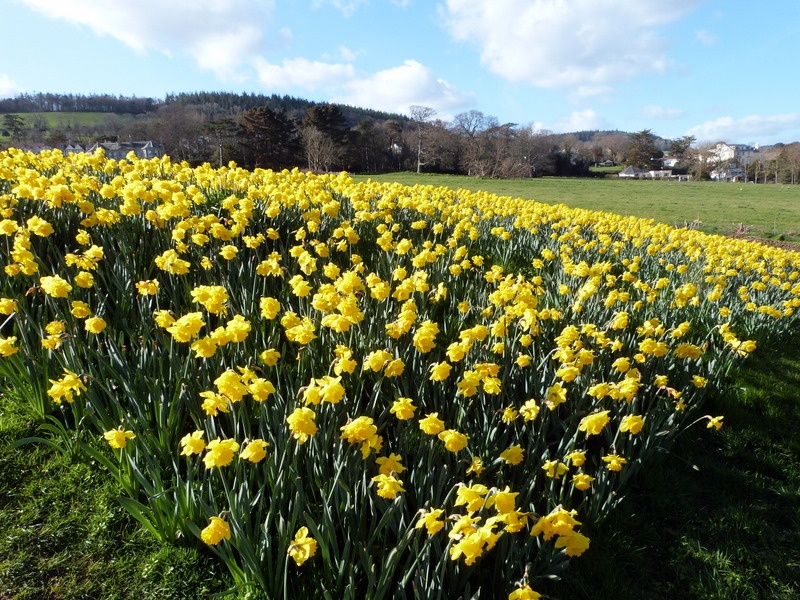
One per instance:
(276,132)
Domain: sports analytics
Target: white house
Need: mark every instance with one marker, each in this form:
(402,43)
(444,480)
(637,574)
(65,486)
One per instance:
(631,172)
(730,172)
(737,153)
(118,150)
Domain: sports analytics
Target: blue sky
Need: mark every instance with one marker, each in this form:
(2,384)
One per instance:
(715,69)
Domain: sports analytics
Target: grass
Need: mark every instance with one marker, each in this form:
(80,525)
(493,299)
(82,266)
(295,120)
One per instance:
(66,121)
(764,211)
(64,535)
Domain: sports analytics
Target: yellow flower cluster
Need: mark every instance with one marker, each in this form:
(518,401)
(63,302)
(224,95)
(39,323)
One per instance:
(468,359)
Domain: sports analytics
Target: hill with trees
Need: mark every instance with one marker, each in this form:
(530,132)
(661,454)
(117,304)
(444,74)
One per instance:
(274,131)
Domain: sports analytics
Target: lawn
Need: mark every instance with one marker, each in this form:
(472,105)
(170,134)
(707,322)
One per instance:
(763,211)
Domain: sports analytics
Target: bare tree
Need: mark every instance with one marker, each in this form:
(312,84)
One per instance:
(480,135)
(790,159)
(704,160)
(322,152)
(535,147)
(422,116)
(614,145)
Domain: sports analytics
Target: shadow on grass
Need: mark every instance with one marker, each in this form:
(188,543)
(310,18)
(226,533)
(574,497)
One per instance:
(64,535)
(720,522)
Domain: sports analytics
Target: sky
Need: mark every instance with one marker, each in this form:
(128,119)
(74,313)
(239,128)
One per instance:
(719,70)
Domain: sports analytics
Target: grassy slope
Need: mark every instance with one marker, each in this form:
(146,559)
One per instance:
(770,211)
(64,536)
(65,121)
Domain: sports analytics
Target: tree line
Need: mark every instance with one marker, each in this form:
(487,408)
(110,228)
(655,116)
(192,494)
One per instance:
(276,132)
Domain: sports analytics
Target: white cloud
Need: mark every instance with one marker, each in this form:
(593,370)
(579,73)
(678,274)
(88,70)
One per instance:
(566,43)
(582,120)
(764,129)
(659,112)
(398,88)
(705,37)
(302,73)
(220,35)
(392,90)
(8,89)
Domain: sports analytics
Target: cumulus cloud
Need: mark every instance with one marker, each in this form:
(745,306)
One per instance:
(393,89)
(582,120)
(765,129)
(302,73)
(659,112)
(8,89)
(566,43)
(220,35)
(397,88)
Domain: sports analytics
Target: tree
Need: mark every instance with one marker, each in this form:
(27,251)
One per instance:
(642,150)
(704,160)
(322,152)
(790,160)
(270,139)
(14,127)
(224,133)
(479,134)
(324,134)
(680,148)
(421,116)
(615,145)
(394,131)
(373,149)
(536,150)
(179,128)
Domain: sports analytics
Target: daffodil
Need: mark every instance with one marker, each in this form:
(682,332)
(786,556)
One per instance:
(118,438)
(216,531)
(302,547)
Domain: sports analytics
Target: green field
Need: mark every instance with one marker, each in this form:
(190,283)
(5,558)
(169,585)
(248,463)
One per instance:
(66,121)
(763,211)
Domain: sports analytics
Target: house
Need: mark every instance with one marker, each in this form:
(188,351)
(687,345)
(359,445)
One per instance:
(73,148)
(736,153)
(631,172)
(669,162)
(728,172)
(119,150)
